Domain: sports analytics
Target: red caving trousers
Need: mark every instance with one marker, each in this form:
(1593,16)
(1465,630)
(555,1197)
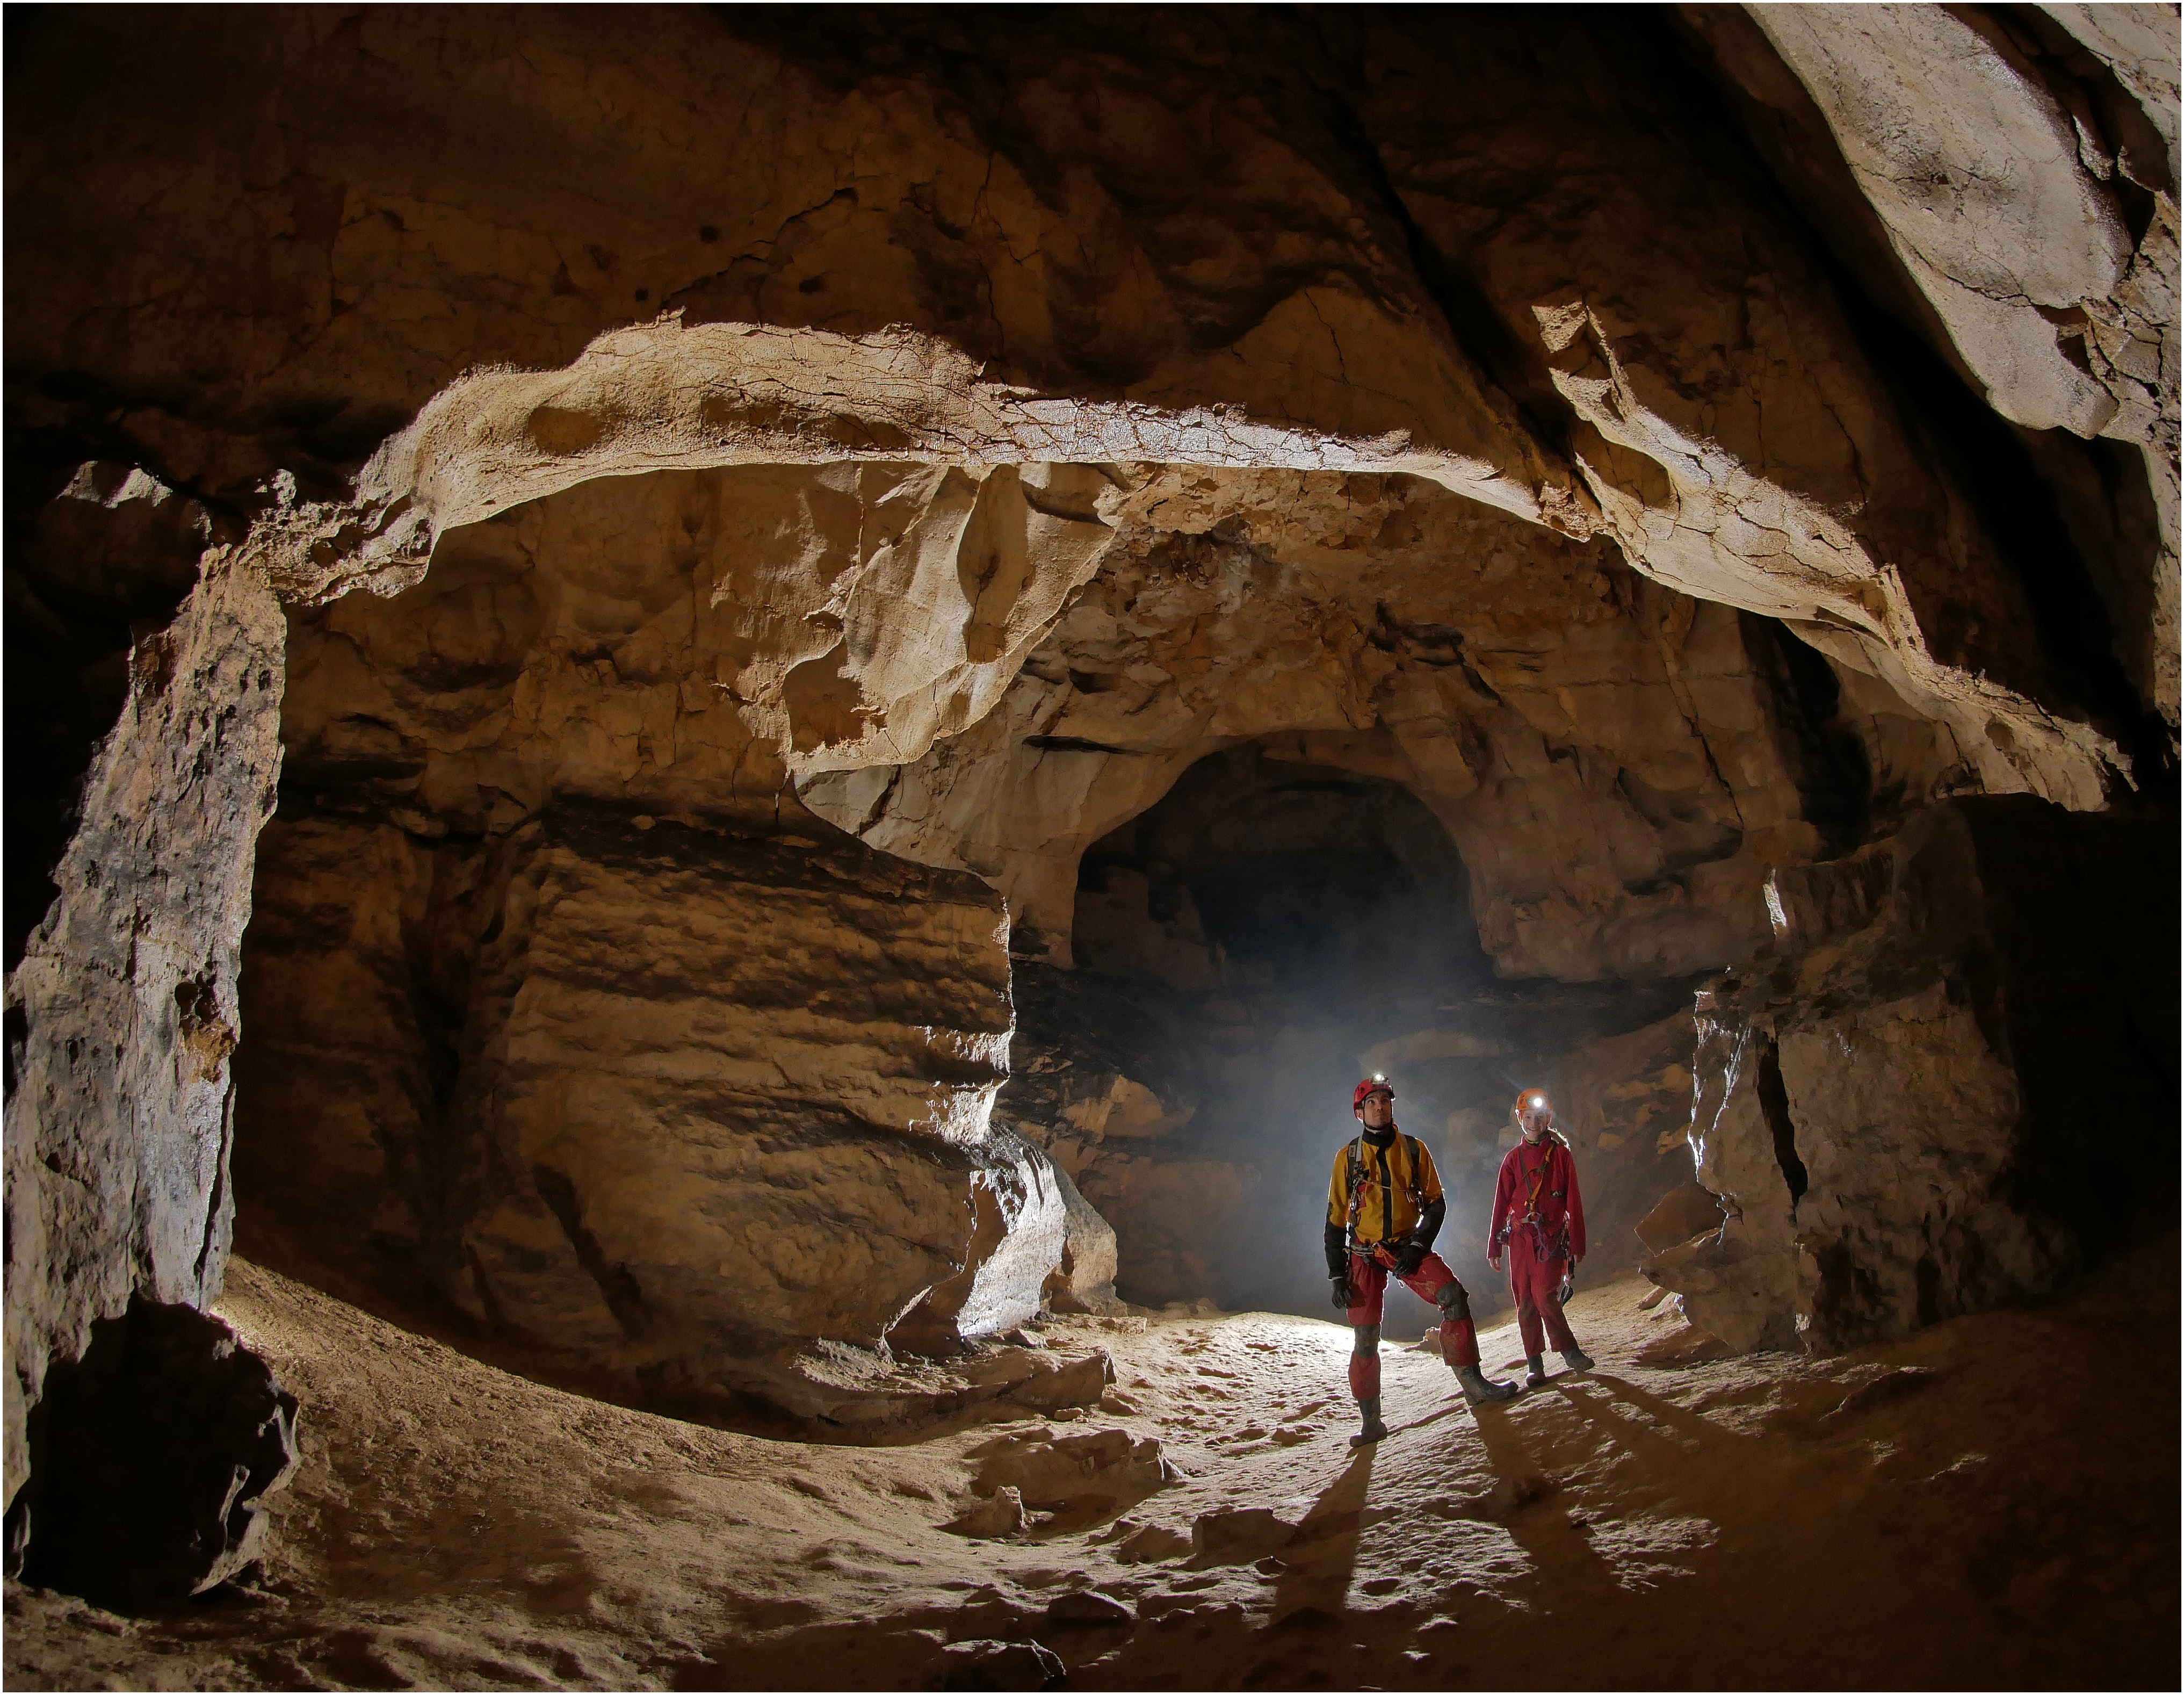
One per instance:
(1532,1285)
(1368,1285)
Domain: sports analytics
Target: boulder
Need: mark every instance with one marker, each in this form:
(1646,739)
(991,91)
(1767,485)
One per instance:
(1089,1607)
(1000,1514)
(1108,1469)
(1914,1110)
(1151,1544)
(1685,1212)
(984,1664)
(1236,1535)
(1079,1383)
(1084,1281)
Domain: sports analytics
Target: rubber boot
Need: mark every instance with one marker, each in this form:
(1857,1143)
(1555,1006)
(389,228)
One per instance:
(1536,1372)
(1476,1388)
(1577,1359)
(1374,1430)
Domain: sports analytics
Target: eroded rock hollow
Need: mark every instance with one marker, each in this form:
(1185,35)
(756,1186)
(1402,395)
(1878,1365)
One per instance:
(728,712)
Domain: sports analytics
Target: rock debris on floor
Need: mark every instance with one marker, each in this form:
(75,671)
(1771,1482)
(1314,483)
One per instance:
(1942,1512)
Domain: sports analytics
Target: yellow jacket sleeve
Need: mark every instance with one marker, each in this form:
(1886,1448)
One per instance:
(1337,1192)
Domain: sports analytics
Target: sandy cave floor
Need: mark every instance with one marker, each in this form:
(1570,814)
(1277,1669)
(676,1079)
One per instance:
(1993,1503)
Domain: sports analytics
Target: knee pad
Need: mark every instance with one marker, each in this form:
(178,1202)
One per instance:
(1453,1303)
(1365,1338)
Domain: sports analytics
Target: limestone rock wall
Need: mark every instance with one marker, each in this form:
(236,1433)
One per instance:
(707,1095)
(1322,274)
(1919,1108)
(1614,762)
(2004,178)
(570,1020)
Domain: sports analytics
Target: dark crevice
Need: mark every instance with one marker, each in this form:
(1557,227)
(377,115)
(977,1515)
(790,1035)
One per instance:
(1988,462)
(1474,323)
(617,1285)
(69,629)
(1835,778)
(1775,1106)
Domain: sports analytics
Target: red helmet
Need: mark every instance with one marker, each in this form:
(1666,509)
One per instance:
(1376,1083)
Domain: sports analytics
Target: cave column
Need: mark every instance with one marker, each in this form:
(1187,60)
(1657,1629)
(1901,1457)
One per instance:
(121,1016)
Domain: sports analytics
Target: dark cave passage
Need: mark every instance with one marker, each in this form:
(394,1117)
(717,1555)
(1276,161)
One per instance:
(1246,948)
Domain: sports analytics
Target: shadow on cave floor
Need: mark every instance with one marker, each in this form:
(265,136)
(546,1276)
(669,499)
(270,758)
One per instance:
(1990,1503)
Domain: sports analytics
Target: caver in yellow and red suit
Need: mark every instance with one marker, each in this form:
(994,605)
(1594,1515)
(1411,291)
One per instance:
(1384,1206)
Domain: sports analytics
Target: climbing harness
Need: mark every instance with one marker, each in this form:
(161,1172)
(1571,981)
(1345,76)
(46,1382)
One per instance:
(1356,1175)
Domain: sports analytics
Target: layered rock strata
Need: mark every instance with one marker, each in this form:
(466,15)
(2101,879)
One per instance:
(657,1101)
(1602,361)
(2005,179)
(1920,1107)
(1614,762)
(571,1023)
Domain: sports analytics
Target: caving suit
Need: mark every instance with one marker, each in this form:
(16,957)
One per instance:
(1382,1193)
(1536,1204)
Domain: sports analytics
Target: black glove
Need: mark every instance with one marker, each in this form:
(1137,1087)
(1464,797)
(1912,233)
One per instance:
(1339,1285)
(1410,1256)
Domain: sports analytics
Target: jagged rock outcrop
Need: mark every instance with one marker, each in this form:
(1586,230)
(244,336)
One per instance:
(1614,762)
(2004,180)
(1083,1280)
(121,1014)
(655,1101)
(1651,302)
(1954,1086)
(642,1070)
(1092,1472)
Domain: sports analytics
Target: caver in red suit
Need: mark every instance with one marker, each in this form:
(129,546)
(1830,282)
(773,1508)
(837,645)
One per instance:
(1539,1221)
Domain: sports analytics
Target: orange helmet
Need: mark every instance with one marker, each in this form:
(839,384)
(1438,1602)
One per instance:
(1376,1083)
(1533,1100)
